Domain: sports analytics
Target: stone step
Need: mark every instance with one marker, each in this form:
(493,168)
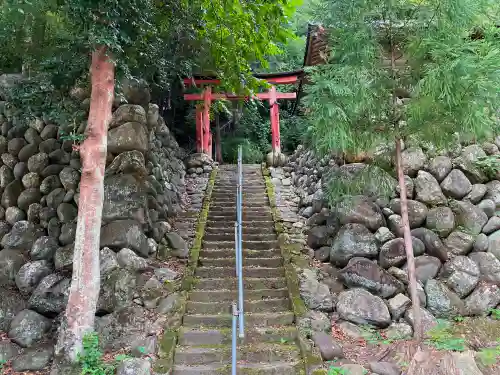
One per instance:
(251,216)
(250,262)
(247,195)
(222,229)
(249,283)
(246,353)
(223,225)
(230,210)
(250,245)
(229,236)
(247,254)
(223,336)
(253,272)
(232,295)
(252,319)
(246,201)
(262,306)
(278,368)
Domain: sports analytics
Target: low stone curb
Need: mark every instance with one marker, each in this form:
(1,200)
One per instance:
(312,358)
(169,340)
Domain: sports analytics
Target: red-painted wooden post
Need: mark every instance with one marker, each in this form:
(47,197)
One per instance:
(275,121)
(210,144)
(199,128)
(207,101)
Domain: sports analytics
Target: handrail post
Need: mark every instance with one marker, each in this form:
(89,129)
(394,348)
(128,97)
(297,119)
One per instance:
(240,243)
(234,339)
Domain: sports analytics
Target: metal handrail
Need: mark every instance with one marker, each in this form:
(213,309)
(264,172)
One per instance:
(238,312)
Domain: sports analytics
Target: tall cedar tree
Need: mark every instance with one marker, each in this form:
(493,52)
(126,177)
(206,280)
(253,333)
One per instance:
(129,36)
(384,51)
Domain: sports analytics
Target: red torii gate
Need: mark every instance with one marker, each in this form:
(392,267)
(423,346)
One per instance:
(203,134)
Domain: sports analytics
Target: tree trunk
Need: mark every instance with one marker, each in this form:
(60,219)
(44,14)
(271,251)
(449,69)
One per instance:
(85,284)
(417,326)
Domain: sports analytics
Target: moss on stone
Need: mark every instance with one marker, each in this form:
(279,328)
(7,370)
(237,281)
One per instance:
(169,338)
(312,360)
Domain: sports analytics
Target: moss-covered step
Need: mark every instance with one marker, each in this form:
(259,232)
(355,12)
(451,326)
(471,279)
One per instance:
(266,305)
(249,283)
(247,254)
(225,295)
(225,320)
(251,353)
(247,224)
(228,236)
(251,245)
(277,368)
(250,262)
(254,272)
(230,218)
(223,336)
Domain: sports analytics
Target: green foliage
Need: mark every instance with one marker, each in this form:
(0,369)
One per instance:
(91,359)
(441,337)
(2,364)
(374,337)
(453,80)
(489,356)
(334,370)
(489,165)
(251,153)
(495,314)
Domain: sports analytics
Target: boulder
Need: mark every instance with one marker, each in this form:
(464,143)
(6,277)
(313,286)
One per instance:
(315,294)
(353,240)
(134,366)
(477,193)
(494,244)
(51,295)
(178,246)
(70,178)
(393,253)
(28,327)
(21,237)
(441,301)
(360,210)
(433,244)
(427,190)
(426,267)
(198,160)
(125,198)
(11,262)
(128,137)
(11,304)
(441,220)
(413,159)
(125,234)
(63,259)
(440,167)
(398,305)
(428,320)
(456,185)
(318,236)
(461,275)
(136,91)
(117,291)
(128,113)
(128,259)
(327,346)
(489,266)
(364,273)
(361,307)
(417,211)
(108,261)
(492,225)
(485,297)
(31,273)
(468,216)
(44,248)
(33,359)
(459,243)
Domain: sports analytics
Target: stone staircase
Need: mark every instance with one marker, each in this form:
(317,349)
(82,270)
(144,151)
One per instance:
(204,342)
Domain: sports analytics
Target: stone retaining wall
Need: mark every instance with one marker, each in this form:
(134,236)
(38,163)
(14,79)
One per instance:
(357,271)
(144,190)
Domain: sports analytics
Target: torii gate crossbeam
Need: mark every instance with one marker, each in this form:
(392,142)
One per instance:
(203,135)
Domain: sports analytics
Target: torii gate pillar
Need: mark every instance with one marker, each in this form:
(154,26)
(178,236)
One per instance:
(275,121)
